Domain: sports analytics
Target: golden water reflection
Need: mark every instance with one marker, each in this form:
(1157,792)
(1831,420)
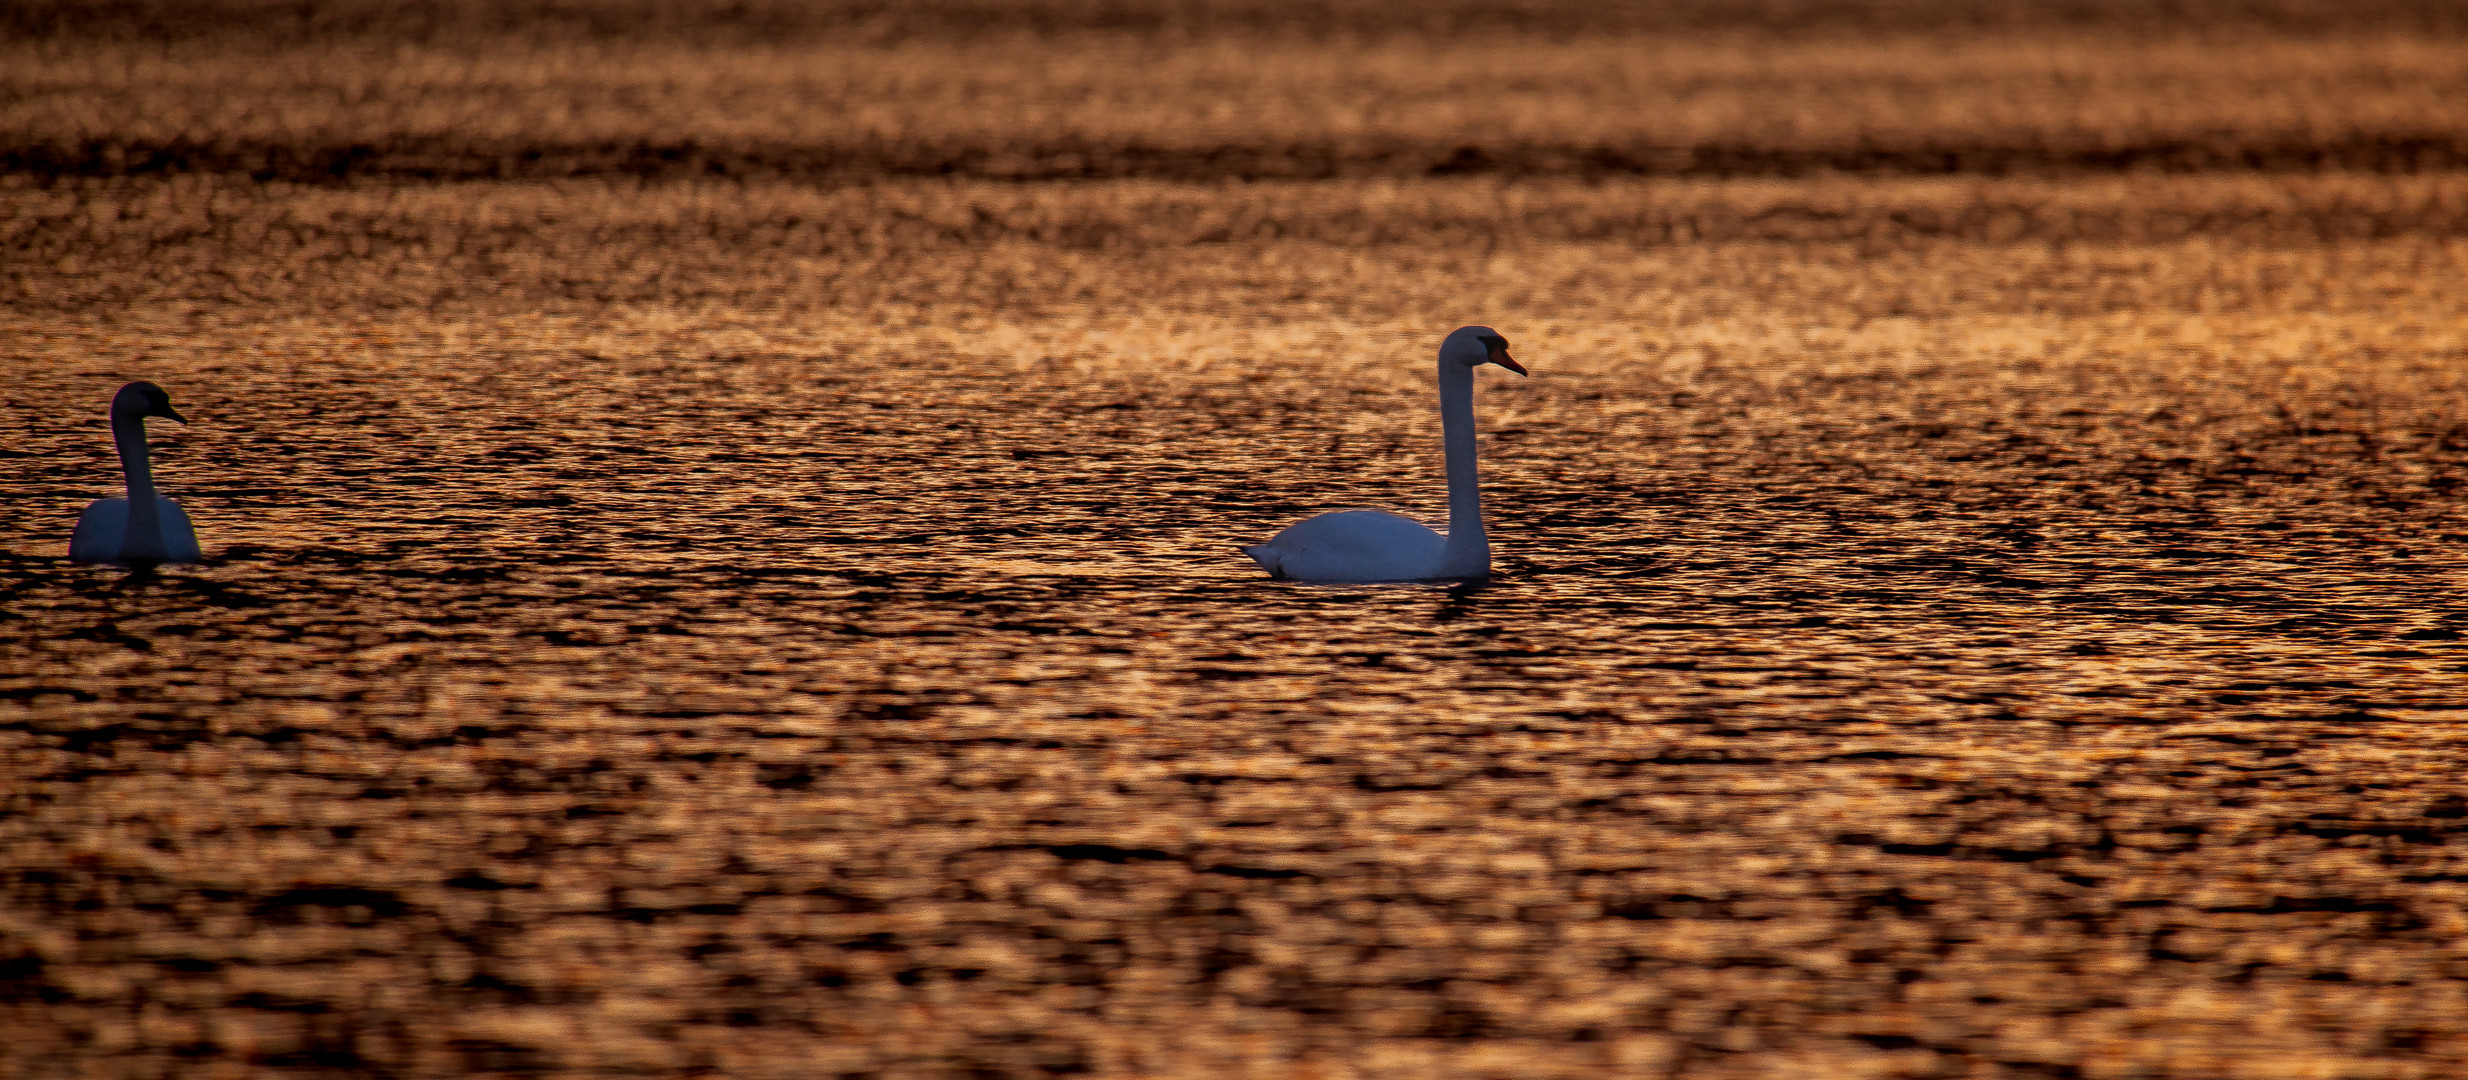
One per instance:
(1945,626)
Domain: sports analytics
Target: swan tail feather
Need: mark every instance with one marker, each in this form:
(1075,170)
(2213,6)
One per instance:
(1266,557)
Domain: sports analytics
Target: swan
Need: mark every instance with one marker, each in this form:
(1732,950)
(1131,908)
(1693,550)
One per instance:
(145,527)
(1375,545)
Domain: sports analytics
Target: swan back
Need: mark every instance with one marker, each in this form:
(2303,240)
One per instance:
(1354,545)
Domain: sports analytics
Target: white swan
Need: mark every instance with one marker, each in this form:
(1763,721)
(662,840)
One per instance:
(1374,545)
(145,527)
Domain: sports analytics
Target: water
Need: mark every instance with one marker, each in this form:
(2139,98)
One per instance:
(1962,626)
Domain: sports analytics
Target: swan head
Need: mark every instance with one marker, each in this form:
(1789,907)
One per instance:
(1475,346)
(139,400)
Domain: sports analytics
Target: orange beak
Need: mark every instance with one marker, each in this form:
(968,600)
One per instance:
(1499,355)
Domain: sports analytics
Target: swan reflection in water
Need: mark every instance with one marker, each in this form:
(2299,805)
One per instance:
(145,527)
(1375,545)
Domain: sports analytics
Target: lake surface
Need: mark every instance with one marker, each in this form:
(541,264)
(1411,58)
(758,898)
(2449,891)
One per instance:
(781,617)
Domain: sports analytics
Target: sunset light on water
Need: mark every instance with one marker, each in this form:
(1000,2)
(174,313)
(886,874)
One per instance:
(721,526)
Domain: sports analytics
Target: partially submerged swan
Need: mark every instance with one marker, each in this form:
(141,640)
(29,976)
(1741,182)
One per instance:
(1375,545)
(145,527)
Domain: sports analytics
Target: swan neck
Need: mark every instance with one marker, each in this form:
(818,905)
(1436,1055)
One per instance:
(145,520)
(128,433)
(1469,550)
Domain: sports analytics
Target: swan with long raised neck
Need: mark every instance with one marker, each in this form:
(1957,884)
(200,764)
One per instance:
(145,527)
(1375,545)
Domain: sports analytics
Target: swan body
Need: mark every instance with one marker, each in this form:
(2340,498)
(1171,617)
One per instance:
(145,527)
(1356,545)
(1375,545)
(102,533)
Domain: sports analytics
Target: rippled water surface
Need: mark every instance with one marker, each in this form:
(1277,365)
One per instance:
(1944,626)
